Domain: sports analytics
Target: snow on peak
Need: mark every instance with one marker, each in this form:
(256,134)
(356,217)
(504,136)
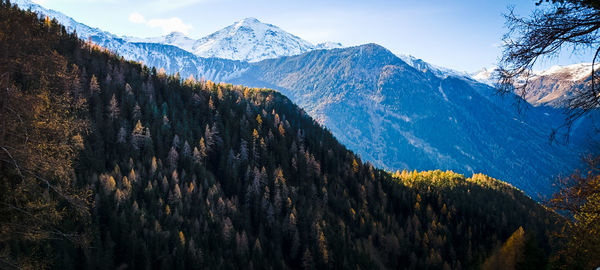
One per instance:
(484,75)
(573,72)
(423,66)
(83,31)
(248,21)
(250,40)
(24,4)
(175,35)
(246,40)
(329,45)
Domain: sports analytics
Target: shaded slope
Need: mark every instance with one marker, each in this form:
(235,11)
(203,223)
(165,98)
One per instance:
(400,117)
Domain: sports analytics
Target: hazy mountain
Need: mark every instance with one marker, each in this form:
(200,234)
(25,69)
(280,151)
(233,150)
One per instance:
(551,87)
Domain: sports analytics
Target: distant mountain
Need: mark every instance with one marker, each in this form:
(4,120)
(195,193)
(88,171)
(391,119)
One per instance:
(250,40)
(247,40)
(218,56)
(551,87)
(484,75)
(398,116)
(176,39)
(149,51)
(556,85)
(423,66)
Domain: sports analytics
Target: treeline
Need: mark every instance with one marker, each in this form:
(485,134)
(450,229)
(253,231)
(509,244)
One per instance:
(185,174)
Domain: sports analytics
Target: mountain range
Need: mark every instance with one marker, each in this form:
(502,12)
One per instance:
(397,112)
(246,40)
(111,164)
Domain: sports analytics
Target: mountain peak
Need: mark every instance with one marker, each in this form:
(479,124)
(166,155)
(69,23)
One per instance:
(175,34)
(329,45)
(249,20)
(250,40)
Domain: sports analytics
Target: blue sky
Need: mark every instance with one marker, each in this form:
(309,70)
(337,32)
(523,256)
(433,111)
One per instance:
(462,35)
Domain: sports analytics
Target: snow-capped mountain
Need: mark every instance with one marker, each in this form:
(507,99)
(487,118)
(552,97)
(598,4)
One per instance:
(248,40)
(484,75)
(575,72)
(556,85)
(154,52)
(551,87)
(177,39)
(423,66)
(329,45)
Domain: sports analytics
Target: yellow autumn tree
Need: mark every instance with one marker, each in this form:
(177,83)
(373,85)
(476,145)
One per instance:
(507,256)
(40,138)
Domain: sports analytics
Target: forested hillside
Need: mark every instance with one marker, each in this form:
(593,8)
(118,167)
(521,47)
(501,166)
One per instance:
(108,164)
(410,115)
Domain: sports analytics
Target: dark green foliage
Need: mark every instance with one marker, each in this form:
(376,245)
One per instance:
(194,175)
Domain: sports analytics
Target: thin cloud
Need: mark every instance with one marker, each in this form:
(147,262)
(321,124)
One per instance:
(167,25)
(136,18)
(170,25)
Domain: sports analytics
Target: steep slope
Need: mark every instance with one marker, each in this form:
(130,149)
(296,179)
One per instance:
(399,117)
(187,175)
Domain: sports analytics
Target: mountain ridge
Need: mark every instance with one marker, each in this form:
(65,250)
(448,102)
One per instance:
(248,40)
(398,116)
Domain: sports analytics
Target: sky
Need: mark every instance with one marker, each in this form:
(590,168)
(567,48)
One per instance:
(462,35)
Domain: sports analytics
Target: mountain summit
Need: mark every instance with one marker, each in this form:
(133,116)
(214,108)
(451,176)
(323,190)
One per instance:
(250,40)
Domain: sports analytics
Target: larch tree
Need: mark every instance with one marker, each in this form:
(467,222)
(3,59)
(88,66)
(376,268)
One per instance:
(113,108)
(39,143)
(579,198)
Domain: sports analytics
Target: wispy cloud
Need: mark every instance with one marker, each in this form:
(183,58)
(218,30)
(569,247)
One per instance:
(136,18)
(170,25)
(167,25)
